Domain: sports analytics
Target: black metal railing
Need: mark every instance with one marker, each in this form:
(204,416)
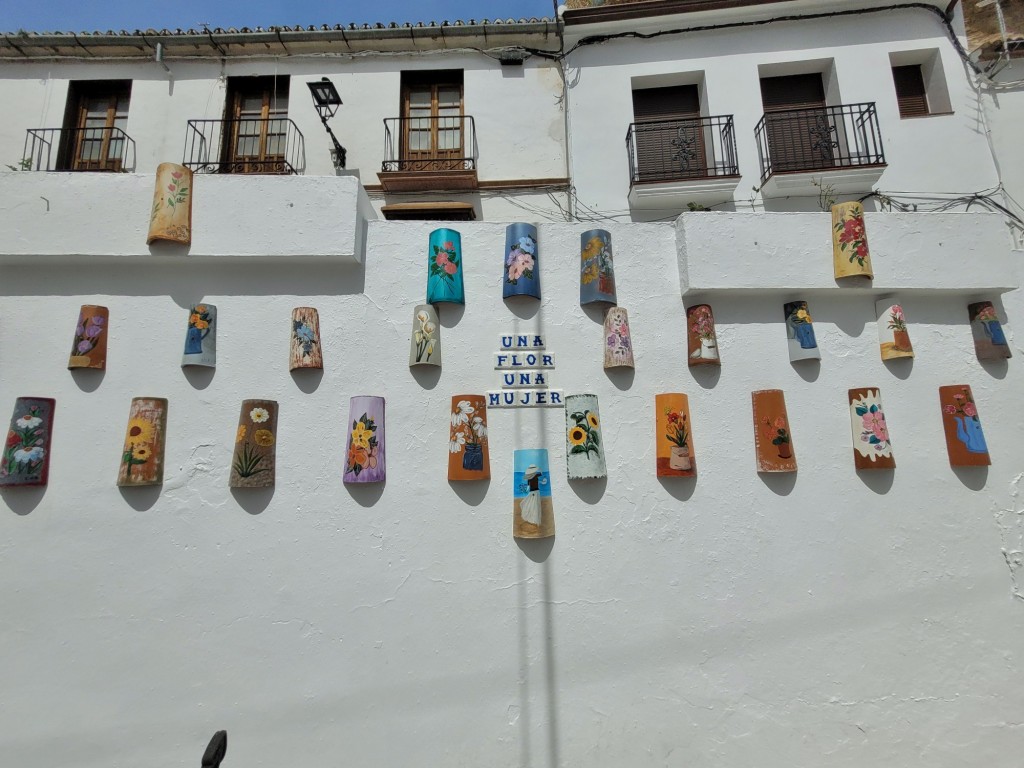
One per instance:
(271,145)
(78,149)
(430,144)
(676,150)
(819,138)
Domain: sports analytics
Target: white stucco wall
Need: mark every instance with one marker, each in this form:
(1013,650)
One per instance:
(822,617)
(1002,101)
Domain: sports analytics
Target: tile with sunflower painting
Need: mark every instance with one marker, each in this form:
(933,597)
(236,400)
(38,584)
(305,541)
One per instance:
(142,458)
(254,461)
(26,455)
(584,448)
(597,272)
(674,453)
(364,462)
(201,337)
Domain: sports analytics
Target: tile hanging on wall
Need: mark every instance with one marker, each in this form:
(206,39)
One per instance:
(618,343)
(89,349)
(521,275)
(142,458)
(702,342)
(673,436)
(365,457)
(597,271)
(893,336)
(584,448)
(26,455)
(201,337)
(850,255)
(444,268)
(872,448)
(800,332)
(171,217)
(989,340)
(772,439)
(468,453)
(305,349)
(965,442)
(533,514)
(254,462)
(425,344)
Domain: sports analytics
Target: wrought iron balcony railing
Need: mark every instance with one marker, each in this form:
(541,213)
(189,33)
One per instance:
(271,145)
(678,150)
(78,149)
(429,144)
(819,138)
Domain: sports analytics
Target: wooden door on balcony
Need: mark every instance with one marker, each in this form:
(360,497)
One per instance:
(95,120)
(255,125)
(797,141)
(433,130)
(669,134)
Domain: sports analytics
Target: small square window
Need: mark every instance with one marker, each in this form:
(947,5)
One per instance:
(910,90)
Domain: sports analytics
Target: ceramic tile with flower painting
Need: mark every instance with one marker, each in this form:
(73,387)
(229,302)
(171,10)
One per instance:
(773,443)
(872,448)
(850,255)
(618,343)
(965,442)
(597,271)
(26,455)
(142,458)
(893,336)
(989,340)
(584,448)
(254,462)
(468,454)
(201,337)
(673,435)
(444,268)
(89,349)
(521,271)
(800,332)
(171,217)
(305,350)
(425,344)
(533,515)
(365,456)
(701,340)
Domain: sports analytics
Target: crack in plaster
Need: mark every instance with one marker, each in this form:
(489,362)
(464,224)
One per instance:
(394,595)
(1010,522)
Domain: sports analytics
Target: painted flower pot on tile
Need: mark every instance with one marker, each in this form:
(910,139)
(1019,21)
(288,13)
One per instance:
(467,443)
(201,337)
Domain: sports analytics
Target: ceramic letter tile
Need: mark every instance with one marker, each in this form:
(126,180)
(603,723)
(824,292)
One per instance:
(618,344)
(893,337)
(305,350)
(171,219)
(444,268)
(365,459)
(989,339)
(425,344)
(142,459)
(872,448)
(468,454)
(673,436)
(533,516)
(89,349)
(702,343)
(521,272)
(965,442)
(772,439)
(850,256)
(201,337)
(597,272)
(800,332)
(255,458)
(584,448)
(26,454)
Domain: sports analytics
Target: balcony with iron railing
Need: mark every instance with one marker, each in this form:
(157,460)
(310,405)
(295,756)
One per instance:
(429,153)
(103,149)
(676,162)
(272,146)
(836,146)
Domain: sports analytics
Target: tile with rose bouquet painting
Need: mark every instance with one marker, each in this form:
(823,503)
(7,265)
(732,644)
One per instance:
(254,462)
(468,452)
(965,442)
(673,436)
(597,270)
(584,446)
(618,343)
(305,349)
(171,217)
(142,458)
(989,339)
(521,270)
(773,444)
(26,455)
(893,336)
(364,462)
(89,349)
(850,255)
(201,337)
(800,332)
(425,344)
(444,268)
(701,340)
(872,448)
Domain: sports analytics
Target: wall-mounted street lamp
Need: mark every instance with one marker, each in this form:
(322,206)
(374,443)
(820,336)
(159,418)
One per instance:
(326,100)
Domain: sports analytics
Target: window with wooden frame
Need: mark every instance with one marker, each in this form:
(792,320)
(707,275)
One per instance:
(911,95)
(797,140)
(433,124)
(95,119)
(255,125)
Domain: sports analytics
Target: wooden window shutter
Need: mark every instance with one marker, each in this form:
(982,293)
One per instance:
(792,92)
(910,92)
(667,120)
(673,103)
